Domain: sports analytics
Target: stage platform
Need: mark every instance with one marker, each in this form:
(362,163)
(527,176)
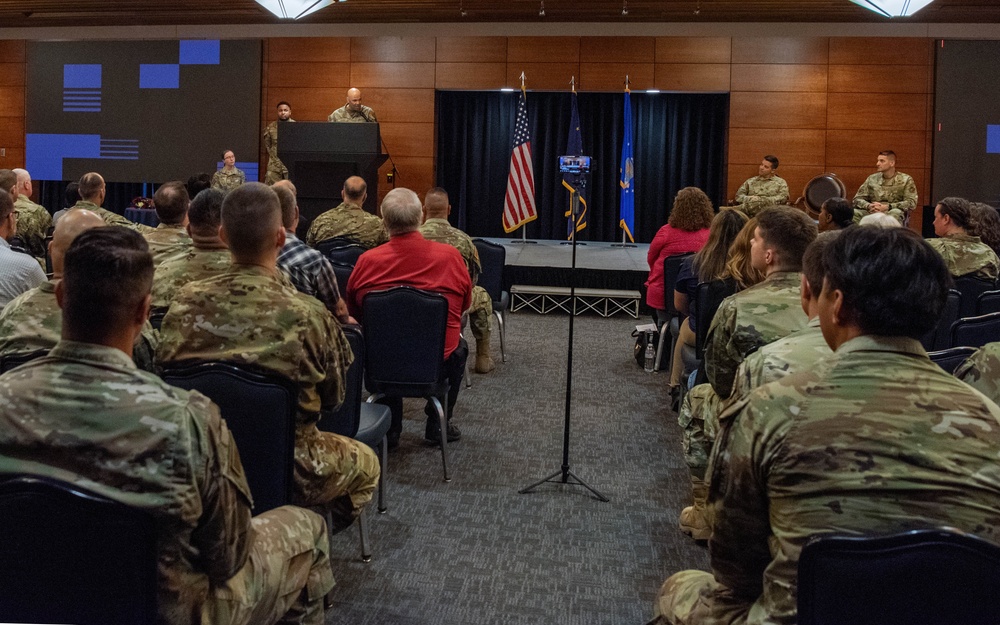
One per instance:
(605,266)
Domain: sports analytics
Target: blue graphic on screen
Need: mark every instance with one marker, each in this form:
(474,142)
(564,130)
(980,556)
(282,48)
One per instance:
(81,88)
(993,139)
(143,110)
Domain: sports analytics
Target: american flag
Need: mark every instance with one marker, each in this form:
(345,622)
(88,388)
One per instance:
(519,205)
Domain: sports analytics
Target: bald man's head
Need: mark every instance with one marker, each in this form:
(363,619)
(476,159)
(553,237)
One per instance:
(67,228)
(436,204)
(355,190)
(91,188)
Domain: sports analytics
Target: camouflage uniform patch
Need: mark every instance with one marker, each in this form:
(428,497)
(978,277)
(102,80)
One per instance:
(481,310)
(345,114)
(276,170)
(33,222)
(899,192)
(228,180)
(982,371)
(111,218)
(167,241)
(349,221)
(771,191)
(965,254)
(175,272)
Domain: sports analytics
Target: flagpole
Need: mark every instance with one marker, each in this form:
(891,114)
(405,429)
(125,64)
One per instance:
(628,117)
(524,227)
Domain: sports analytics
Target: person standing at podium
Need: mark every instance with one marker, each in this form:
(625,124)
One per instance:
(354,110)
(276,170)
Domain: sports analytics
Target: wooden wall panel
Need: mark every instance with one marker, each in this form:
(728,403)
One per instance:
(617,49)
(409,139)
(791,146)
(800,50)
(392,49)
(11,132)
(860,112)
(763,110)
(758,77)
(543,49)
(309,49)
(470,75)
(401,105)
(415,173)
(694,50)
(318,75)
(308,104)
(12,74)
(400,75)
(14,158)
(611,76)
(546,76)
(471,50)
(13,50)
(691,76)
(887,53)
(12,101)
(854,147)
(878,80)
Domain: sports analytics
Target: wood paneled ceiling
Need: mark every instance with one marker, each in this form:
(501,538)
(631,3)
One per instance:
(15,14)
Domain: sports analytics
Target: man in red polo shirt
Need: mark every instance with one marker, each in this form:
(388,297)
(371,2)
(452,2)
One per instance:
(408,259)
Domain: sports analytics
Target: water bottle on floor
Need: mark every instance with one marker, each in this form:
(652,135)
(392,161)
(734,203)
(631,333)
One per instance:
(650,358)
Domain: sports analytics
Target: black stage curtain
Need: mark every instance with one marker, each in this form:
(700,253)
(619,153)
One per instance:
(679,140)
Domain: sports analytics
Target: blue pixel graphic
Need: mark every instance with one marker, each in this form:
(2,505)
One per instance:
(993,139)
(199,52)
(81,88)
(81,76)
(159,76)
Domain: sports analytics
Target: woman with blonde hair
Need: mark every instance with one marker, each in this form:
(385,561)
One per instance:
(738,267)
(686,231)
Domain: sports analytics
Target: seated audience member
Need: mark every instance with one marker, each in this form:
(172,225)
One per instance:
(208,255)
(686,230)
(881,440)
(33,220)
(705,266)
(230,176)
(198,183)
(835,214)
(985,224)
(92,192)
(982,371)
(744,322)
(437,228)
(739,265)
(18,272)
(349,220)
(170,238)
(309,271)
(879,220)
(83,413)
(70,197)
(963,253)
(250,314)
(764,190)
(440,270)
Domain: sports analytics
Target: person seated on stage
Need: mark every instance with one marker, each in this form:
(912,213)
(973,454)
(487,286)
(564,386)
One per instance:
(878,440)
(348,220)
(763,190)
(743,323)
(354,110)
(708,264)
(208,256)
(70,197)
(92,192)
(886,191)
(230,176)
(440,270)
(963,253)
(33,220)
(835,214)
(686,230)
(310,272)
(437,228)
(170,238)
(984,223)
(18,272)
(250,314)
(85,415)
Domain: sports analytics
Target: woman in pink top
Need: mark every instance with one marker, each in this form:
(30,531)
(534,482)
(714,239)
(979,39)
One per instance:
(686,231)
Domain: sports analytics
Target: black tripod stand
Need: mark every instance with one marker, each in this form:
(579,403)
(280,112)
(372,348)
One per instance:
(564,474)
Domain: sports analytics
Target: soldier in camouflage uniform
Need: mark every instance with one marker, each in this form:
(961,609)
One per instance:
(963,253)
(763,190)
(886,191)
(744,322)
(276,170)
(349,220)
(982,371)
(250,315)
(170,238)
(437,228)
(208,256)
(33,221)
(85,415)
(32,321)
(92,192)
(354,110)
(875,439)
(230,176)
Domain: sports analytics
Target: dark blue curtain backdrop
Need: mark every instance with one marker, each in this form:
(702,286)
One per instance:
(679,139)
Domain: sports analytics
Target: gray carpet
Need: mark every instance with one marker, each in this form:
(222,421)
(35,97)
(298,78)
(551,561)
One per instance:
(476,551)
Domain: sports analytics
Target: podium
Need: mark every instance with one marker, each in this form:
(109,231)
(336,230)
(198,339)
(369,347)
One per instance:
(320,156)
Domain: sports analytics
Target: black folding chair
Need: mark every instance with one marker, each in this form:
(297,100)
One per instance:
(976,331)
(343,273)
(671,267)
(988,302)
(68,555)
(927,577)
(340,250)
(493,259)
(971,288)
(950,359)
(940,337)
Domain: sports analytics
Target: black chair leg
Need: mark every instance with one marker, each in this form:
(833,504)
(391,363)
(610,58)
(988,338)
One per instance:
(443,419)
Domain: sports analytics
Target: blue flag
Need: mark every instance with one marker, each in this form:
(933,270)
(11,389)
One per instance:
(627,175)
(574,147)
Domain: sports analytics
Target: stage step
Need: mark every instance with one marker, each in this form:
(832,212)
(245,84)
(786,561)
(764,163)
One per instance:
(545,299)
